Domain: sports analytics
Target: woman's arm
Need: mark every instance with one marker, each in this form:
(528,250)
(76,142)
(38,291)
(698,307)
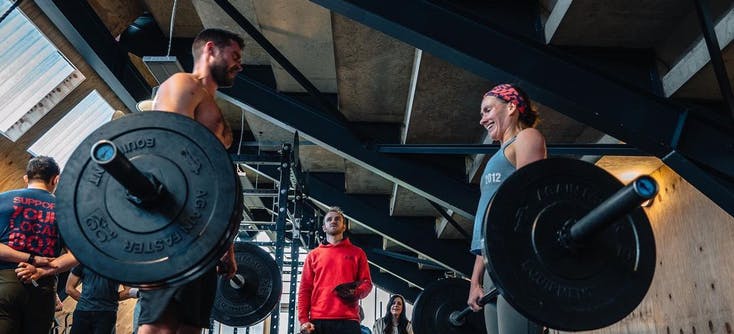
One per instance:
(529,147)
(476,290)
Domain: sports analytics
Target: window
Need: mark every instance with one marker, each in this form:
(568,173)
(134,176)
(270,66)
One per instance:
(34,75)
(63,138)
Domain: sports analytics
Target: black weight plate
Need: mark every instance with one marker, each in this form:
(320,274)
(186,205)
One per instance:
(181,237)
(257,298)
(592,287)
(435,304)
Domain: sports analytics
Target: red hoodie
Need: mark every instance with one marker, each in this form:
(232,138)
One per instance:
(326,267)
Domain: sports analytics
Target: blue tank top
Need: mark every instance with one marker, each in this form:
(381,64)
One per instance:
(497,170)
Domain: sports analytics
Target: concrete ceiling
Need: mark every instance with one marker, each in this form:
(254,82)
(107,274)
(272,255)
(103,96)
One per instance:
(619,23)
(215,17)
(301,31)
(377,78)
(671,28)
(380,79)
(373,84)
(186,22)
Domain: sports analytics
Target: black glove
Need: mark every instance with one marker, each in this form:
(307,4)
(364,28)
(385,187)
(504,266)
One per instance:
(346,291)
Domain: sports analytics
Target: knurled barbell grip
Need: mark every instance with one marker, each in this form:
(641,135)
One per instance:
(106,154)
(457,318)
(621,203)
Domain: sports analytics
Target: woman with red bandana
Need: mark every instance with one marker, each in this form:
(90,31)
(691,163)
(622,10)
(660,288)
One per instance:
(507,116)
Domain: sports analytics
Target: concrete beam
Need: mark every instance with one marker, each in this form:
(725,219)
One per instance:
(555,17)
(698,56)
(444,230)
(411,93)
(186,20)
(329,133)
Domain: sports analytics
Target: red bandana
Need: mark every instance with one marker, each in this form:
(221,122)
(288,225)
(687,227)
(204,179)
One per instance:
(507,93)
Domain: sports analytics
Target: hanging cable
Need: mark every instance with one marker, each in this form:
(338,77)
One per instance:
(170,30)
(7,12)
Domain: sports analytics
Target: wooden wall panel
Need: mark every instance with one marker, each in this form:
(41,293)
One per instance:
(117,15)
(692,291)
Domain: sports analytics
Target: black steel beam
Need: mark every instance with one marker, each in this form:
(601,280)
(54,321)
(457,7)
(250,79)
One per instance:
(331,134)
(411,274)
(393,284)
(451,220)
(400,274)
(372,212)
(717,61)
(78,22)
(404,257)
(242,21)
(545,73)
(639,118)
(718,187)
(635,67)
(256,159)
(325,130)
(408,273)
(416,234)
(553,149)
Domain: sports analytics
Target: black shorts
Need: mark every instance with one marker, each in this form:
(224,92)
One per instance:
(190,304)
(336,326)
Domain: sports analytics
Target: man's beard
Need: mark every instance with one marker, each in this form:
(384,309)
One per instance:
(335,231)
(220,73)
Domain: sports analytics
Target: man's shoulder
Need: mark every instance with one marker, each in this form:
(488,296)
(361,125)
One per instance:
(8,193)
(13,191)
(24,192)
(181,78)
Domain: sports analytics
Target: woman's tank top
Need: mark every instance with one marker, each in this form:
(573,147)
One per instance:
(497,170)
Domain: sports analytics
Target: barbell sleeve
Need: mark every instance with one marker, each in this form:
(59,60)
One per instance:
(106,154)
(621,203)
(457,318)
(238,281)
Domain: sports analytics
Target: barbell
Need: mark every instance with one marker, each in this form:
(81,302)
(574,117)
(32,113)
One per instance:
(565,243)
(151,199)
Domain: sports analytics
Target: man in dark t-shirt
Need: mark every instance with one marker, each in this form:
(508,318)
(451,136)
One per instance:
(29,239)
(96,308)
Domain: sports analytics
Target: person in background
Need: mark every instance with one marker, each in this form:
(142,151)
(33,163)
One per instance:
(96,308)
(363,328)
(30,251)
(395,321)
(335,277)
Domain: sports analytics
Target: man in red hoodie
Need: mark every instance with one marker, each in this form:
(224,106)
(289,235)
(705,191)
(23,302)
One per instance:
(335,277)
